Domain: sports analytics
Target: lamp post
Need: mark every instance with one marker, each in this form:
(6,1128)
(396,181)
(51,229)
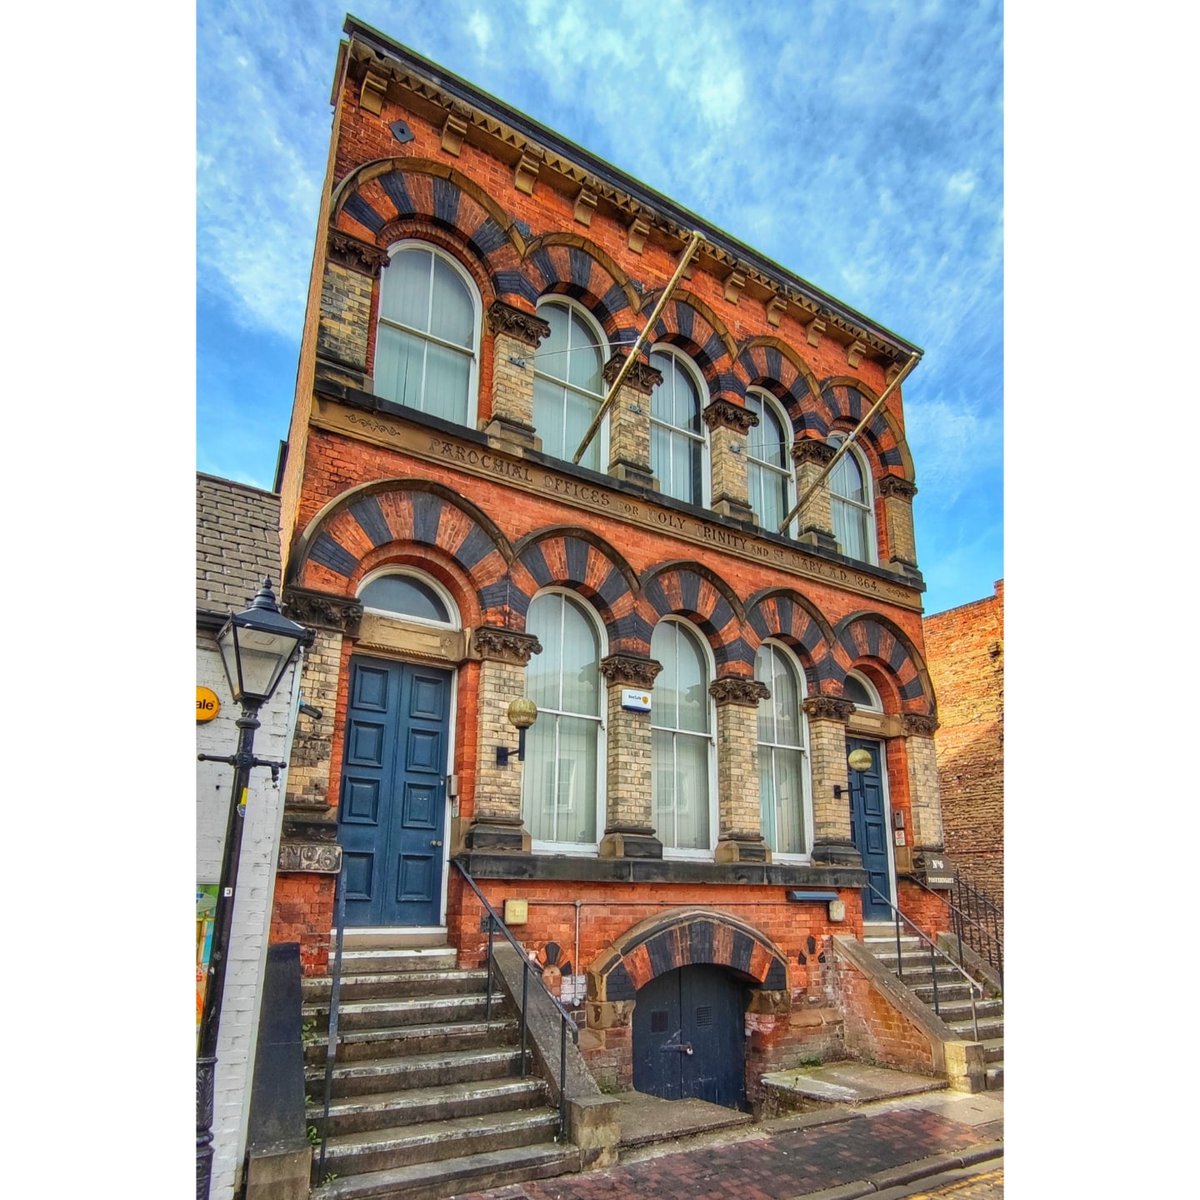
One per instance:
(256,648)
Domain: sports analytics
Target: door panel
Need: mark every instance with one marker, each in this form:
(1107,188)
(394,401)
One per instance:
(391,813)
(869,820)
(689,1038)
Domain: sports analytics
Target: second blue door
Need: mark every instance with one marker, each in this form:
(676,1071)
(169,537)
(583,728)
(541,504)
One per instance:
(391,815)
(869,820)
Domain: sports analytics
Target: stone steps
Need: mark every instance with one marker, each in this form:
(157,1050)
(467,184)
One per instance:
(396,984)
(360,1044)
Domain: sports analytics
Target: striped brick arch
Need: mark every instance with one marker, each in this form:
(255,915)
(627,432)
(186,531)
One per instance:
(846,403)
(874,638)
(371,200)
(685,937)
(566,264)
(332,551)
(685,325)
(584,563)
(763,364)
(693,591)
(785,616)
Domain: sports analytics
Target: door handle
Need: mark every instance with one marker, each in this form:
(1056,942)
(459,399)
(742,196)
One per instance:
(435,842)
(681,1047)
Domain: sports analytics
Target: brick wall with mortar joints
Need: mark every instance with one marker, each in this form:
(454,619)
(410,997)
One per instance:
(874,1030)
(345,324)
(737,769)
(964,649)
(827,755)
(308,771)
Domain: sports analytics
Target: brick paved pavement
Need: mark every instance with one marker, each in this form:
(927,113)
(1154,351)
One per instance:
(775,1166)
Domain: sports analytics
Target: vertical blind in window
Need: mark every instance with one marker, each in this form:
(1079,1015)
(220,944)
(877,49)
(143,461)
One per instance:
(851,506)
(681,739)
(425,348)
(782,756)
(676,434)
(568,384)
(562,748)
(769,471)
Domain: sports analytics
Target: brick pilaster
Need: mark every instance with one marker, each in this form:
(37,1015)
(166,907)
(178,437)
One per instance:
(927,832)
(739,822)
(815,520)
(516,336)
(833,836)
(897,494)
(629,422)
(728,425)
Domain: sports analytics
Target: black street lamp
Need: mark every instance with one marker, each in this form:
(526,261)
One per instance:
(256,647)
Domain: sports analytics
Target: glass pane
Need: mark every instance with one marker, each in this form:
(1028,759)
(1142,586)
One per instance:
(691,792)
(447,378)
(660,457)
(763,664)
(542,676)
(453,314)
(691,680)
(579,412)
(786,698)
(682,479)
(687,402)
(404,291)
(399,366)
(853,689)
(789,801)
(663,784)
(539,791)
(662,404)
(548,417)
(404,595)
(550,358)
(580,658)
(585,358)
(665,705)
(577,746)
(847,528)
(766,791)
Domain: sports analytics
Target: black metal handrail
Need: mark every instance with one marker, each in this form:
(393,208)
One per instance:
(986,921)
(566,1020)
(335,993)
(988,944)
(933,950)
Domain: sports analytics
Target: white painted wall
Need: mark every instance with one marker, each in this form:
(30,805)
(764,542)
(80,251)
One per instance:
(255,890)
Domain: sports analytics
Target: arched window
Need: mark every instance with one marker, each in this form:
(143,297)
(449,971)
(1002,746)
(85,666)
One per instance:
(409,595)
(677,446)
(681,733)
(564,756)
(769,464)
(568,383)
(783,770)
(427,345)
(850,497)
(861,690)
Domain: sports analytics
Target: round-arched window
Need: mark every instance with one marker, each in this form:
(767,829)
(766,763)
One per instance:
(568,382)
(412,596)
(768,462)
(850,500)
(677,445)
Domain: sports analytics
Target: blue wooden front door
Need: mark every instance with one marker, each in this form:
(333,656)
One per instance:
(391,816)
(689,1037)
(869,820)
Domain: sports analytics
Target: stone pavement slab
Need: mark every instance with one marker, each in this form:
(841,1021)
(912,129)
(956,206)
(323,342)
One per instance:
(849,1083)
(647,1120)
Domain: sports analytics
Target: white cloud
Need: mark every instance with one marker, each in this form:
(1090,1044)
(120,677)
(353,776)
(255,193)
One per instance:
(480,28)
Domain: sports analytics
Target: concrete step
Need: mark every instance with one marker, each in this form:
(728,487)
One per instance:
(375,960)
(993,1050)
(959,1011)
(431,1141)
(388,1014)
(994,1077)
(947,991)
(989,1029)
(359,1044)
(362,937)
(390,1110)
(414,1071)
(396,985)
(455,1176)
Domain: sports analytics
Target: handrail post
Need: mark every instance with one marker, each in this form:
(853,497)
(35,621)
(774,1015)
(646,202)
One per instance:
(562,1077)
(491,964)
(899,952)
(933,969)
(524,1011)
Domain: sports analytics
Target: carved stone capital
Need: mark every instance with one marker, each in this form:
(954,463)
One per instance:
(505,645)
(356,255)
(340,613)
(723,413)
(526,327)
(829,708)
(642,376)
(318,858)
(629,669)
(809,450)
(897,485)
(919,724)
(733,689)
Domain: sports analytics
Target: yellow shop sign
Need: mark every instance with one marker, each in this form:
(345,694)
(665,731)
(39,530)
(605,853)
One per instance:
(207,704)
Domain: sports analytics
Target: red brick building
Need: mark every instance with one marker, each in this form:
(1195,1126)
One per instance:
(684,800)
(965,648)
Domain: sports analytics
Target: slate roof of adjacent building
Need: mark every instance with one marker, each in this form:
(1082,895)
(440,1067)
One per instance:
(237,543)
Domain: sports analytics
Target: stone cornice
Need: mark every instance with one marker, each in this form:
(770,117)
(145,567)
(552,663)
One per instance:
(630,669)
(809,450)
(520,139)
(341,613)
(919,724)
(642,376)
(897,485)
(829,708)
(723,414)
(356,255)
(524,326)
(505,645)
(733,689)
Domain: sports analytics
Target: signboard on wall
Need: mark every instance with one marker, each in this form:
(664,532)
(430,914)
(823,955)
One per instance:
(208,704)
(206,909)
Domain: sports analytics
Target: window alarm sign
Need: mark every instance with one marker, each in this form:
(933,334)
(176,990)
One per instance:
(634,700)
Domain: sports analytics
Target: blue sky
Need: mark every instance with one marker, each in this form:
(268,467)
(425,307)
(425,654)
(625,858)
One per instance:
(858,144)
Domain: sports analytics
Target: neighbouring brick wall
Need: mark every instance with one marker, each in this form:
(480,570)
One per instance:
(965,654)
(303,913)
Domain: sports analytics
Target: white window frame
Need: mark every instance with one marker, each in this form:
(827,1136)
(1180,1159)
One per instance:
(787,471)
(577,849)
(578,309)
(876,705)
(476,322)
(443,595)
(689,367)
(713,811)
(865,509)
(806,801)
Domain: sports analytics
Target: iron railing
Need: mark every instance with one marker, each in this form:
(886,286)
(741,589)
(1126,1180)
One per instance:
(934,954)
(565,1019)
(979,921)
(335,993)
